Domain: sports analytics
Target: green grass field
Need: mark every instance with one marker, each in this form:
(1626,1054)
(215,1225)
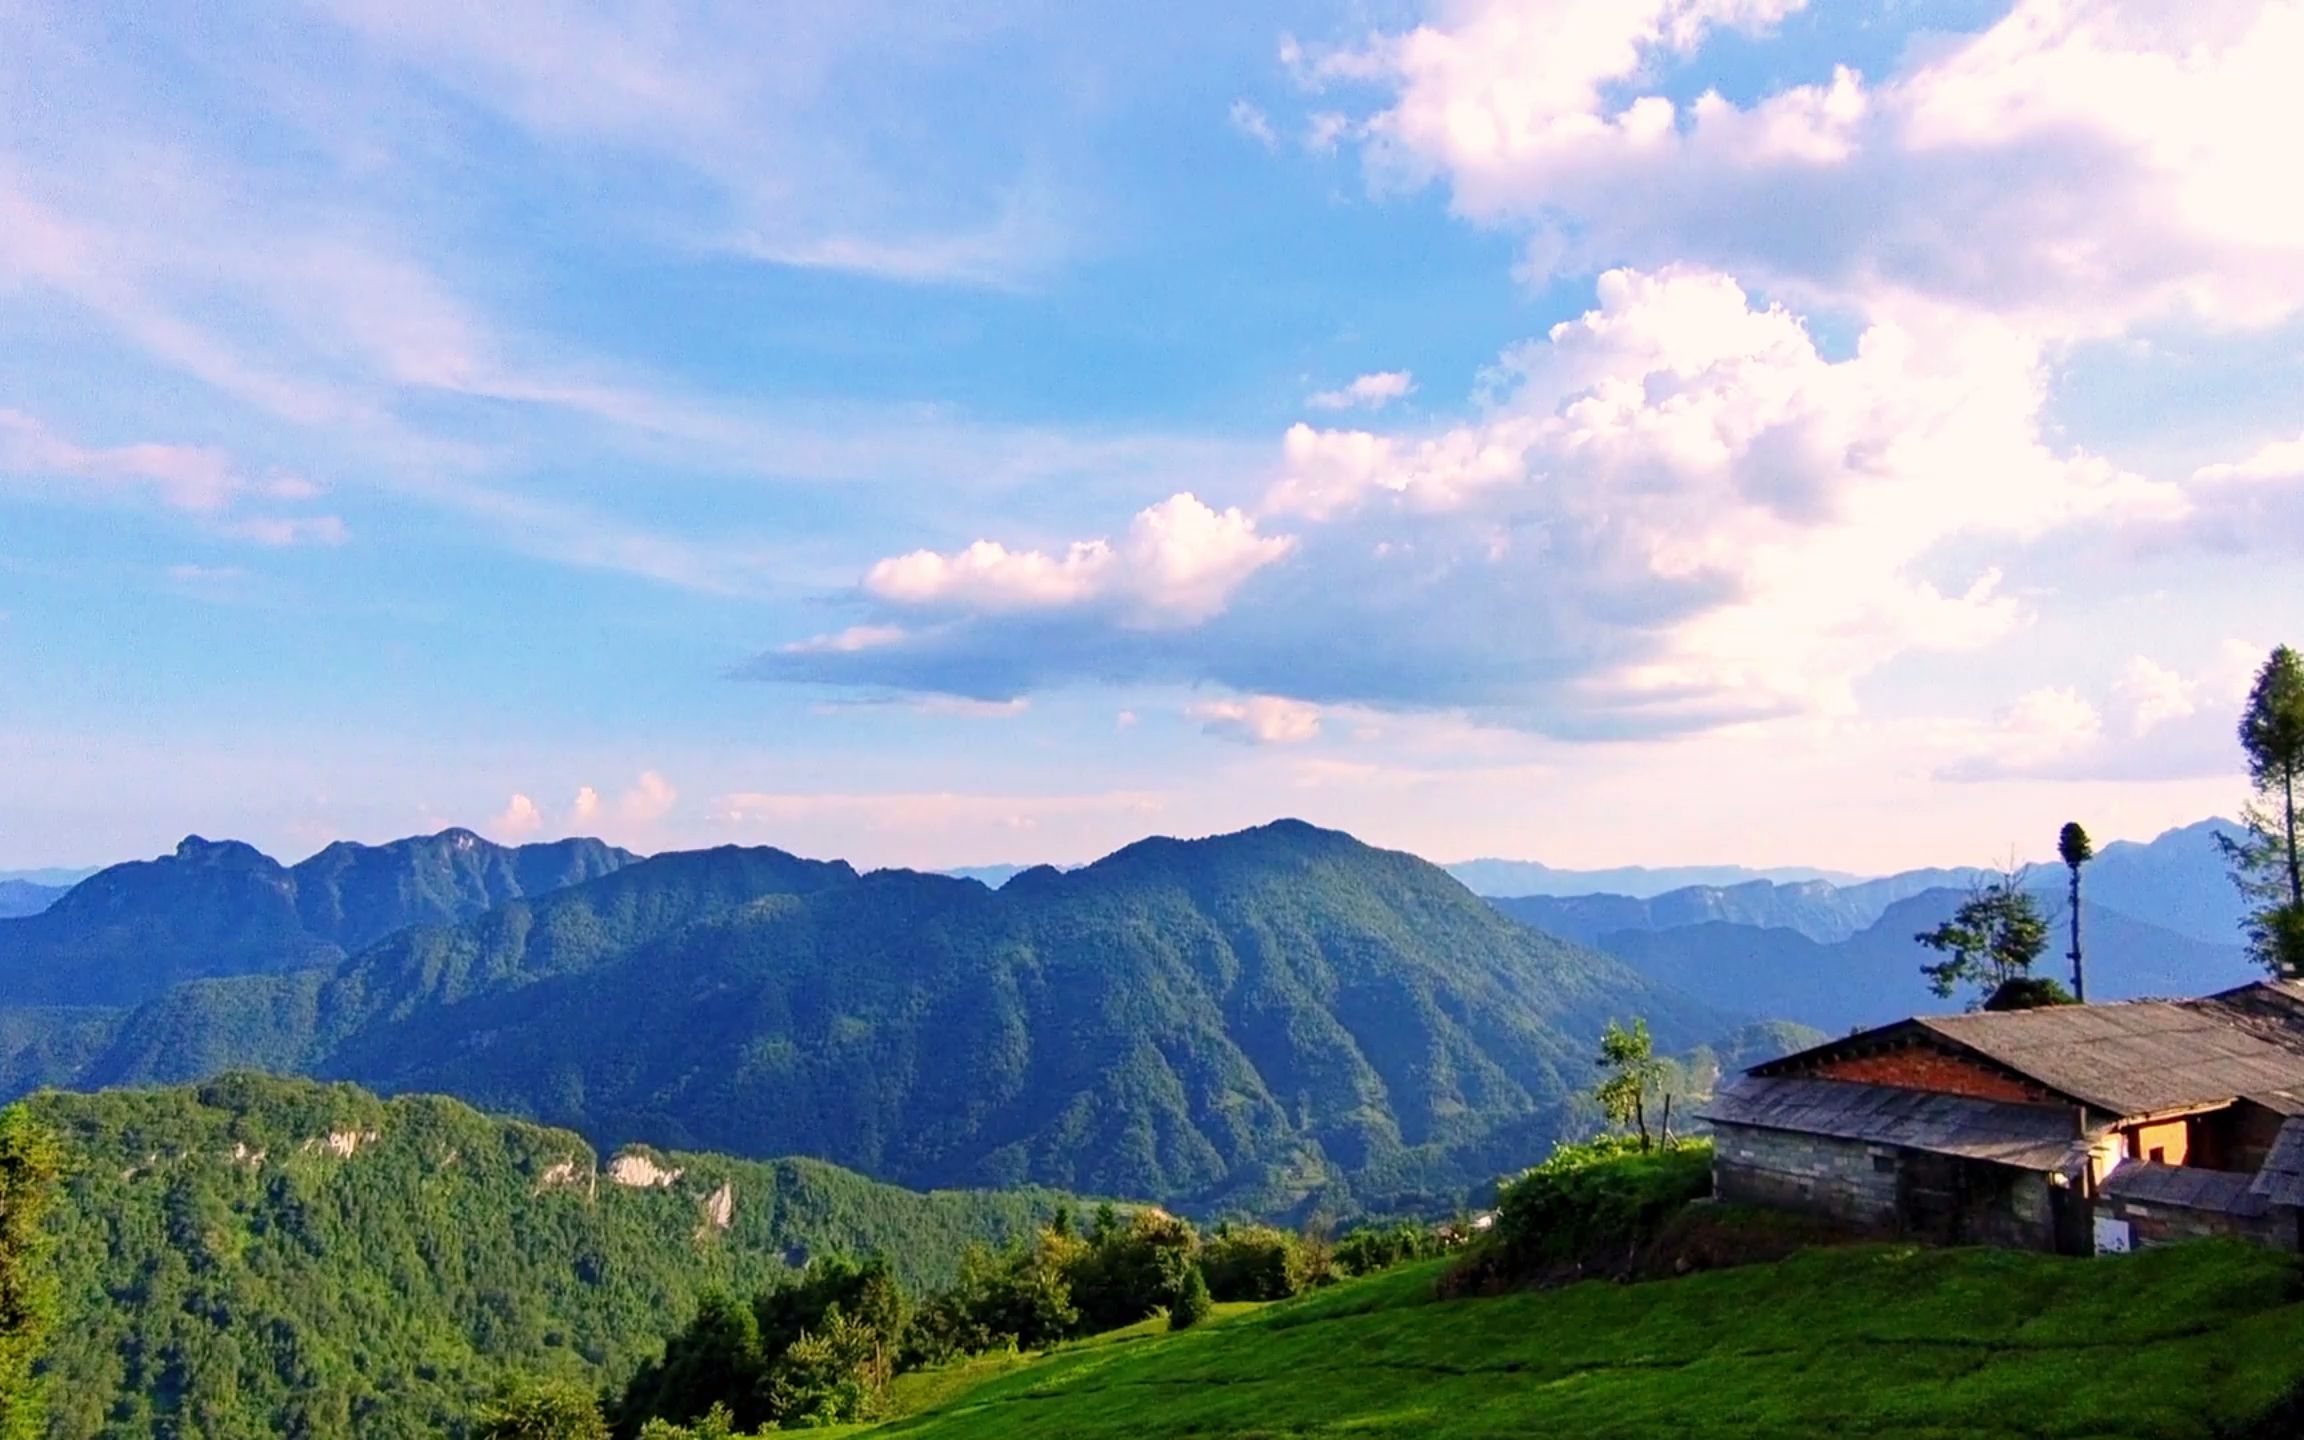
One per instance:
(2200,1341)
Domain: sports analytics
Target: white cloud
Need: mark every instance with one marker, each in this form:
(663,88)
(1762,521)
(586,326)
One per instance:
(585,806)
(2152,694)
(649,800)
(1372,392)
(2076,167)
(1251,121)
(1177,565)
(519,819)
(1673,512)
(198,480)
(1258,719)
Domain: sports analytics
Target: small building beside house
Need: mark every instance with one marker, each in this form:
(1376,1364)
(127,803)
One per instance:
(2072,1128)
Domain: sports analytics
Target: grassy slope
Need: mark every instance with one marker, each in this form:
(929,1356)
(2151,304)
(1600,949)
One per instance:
(2199,1341)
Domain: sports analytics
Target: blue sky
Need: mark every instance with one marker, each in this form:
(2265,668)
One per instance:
(1596,430)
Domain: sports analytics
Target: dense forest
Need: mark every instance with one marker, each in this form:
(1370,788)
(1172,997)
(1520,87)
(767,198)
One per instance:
(253,1257)
(1279,1021)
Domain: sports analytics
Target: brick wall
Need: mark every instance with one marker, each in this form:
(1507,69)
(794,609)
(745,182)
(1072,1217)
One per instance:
(1922,1067)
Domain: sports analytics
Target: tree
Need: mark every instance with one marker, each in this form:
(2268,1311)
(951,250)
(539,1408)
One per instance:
(1193,1303)
(31,1163)
(542,1410)
(1991,942)
(2076,850)
(1629,1057)
(2266,865)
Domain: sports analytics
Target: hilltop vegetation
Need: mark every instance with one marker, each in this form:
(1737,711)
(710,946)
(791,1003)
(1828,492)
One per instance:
(1276,1021)
(2193,1343)
(258,1257)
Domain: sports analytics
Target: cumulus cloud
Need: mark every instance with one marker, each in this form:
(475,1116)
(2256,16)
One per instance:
(1673,512)
(2165,722)
(2077,166)
(1372,392)
(585,806)
(1177,565)
(519,819)
(649,800)
(1258,719)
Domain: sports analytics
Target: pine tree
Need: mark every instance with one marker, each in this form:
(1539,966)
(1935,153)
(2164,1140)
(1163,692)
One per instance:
(1193,1303)
(2265,861)
(2076,850)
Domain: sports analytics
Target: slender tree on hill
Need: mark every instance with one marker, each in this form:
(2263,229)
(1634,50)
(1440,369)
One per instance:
(2266,864)
(1629,1058)
(2076,850)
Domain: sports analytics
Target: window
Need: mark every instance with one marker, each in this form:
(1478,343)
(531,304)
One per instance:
(2159,1155)
(1882,1164)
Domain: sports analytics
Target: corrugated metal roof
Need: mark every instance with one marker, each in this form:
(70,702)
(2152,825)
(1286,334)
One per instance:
(2030,1137)
(2281,1181)
(2135,1058)
(2147,1183)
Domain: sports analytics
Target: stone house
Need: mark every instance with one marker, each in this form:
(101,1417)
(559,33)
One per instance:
(2073,1128)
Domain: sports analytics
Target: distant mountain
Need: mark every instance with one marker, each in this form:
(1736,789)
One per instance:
(256,1256)
(993,876)
(2176,882)
(1505,878)
(24,897)
(1874,976)
(54,876)
(222,908)
(1268,1020)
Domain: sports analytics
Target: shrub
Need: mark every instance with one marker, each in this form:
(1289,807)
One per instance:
(542,1410)
(1380,1247)
(1592,1205)
(1253,1262)
(1193,1303)
(1131,1270)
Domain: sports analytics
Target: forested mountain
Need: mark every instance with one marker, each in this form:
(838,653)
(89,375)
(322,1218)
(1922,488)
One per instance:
(1874,976)
(1268,1020)
(217,908)
(257,1257)
(2177,882)
(25,897)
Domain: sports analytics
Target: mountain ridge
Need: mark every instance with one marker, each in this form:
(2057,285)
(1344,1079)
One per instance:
(1257,1020)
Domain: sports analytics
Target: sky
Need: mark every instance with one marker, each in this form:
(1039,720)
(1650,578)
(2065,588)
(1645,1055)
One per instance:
(1863,434)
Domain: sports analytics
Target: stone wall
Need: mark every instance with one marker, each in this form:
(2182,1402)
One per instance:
(1863,1184)
(1846,1180)
(2158,1223)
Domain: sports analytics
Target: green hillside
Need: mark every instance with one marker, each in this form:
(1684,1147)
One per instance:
(2203,1341)
(259,1257)
(1274,1021)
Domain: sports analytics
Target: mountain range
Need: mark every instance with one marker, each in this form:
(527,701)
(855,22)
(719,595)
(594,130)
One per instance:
(27,897)
(222,908)
(1275,1020)
(2177,882)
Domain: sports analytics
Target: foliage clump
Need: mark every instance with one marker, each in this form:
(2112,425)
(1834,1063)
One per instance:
(30,1166)
(1591,1206)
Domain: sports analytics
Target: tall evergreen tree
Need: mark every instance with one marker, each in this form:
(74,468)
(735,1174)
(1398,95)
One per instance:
(2075,849)
(2266,864)
(30,1166)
